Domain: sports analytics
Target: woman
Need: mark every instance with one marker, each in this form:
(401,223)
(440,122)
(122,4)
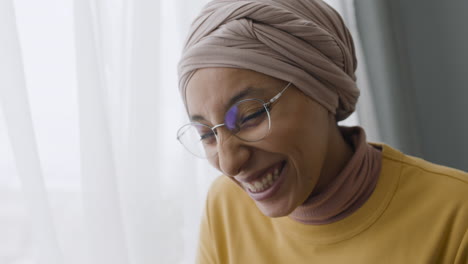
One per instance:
(265,83)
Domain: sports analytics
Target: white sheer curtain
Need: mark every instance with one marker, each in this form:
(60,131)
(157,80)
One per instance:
(90,171)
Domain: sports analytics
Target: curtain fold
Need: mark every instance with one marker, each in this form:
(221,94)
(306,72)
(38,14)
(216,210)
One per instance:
(141,187)
(388,76)
(101,201)
(17,113)
(365,109)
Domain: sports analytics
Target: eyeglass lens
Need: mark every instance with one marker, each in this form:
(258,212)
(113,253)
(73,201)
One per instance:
(248,120)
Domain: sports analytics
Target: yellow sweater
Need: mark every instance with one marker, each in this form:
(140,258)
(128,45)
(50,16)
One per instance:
(418,213)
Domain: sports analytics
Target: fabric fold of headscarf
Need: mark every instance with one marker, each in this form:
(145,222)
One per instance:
(300,41)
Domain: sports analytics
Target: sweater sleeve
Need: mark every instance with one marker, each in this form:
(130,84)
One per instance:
(462,253)
(206,253)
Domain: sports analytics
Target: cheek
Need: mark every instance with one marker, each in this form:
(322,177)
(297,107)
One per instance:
(304,139)
(215,163)
(311,146)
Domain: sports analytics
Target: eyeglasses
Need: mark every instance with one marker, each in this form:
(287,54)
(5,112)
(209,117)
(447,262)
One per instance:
(248,120)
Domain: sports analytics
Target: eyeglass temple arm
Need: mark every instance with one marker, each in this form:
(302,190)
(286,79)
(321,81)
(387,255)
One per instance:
(272,100)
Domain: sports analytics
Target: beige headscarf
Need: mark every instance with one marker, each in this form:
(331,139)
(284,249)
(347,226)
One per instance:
(300,41)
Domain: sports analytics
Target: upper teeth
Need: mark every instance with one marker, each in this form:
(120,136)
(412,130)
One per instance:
(264,182)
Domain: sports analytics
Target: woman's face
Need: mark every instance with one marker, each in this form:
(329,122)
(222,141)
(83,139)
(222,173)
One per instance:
(294,151)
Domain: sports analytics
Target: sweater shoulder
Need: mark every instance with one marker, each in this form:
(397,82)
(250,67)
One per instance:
(421,166)
(223,186)
(426,176)
(441,172)
(224,193)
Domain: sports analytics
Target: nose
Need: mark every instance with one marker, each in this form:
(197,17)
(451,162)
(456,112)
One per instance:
(233,154)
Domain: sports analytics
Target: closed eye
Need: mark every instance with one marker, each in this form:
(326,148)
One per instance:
(206,136)
(254,115)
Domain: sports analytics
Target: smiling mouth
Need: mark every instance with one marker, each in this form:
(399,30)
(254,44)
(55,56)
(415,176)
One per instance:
(267,180)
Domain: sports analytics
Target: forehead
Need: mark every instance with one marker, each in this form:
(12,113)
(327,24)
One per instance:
(210,89)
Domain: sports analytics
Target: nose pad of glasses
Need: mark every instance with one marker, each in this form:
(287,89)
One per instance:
(228,134)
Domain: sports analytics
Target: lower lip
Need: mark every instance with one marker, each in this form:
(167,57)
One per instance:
(260,196)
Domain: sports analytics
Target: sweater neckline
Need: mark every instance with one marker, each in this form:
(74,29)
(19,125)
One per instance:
(350,189)
(362,218)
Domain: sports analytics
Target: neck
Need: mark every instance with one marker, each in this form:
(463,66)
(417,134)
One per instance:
(338,155)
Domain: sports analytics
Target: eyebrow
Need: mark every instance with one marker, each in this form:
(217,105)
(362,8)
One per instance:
(240,95)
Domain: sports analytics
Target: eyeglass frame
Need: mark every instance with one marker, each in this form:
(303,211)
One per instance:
(265,105)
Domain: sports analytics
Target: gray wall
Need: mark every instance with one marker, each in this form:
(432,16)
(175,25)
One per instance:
(417,56)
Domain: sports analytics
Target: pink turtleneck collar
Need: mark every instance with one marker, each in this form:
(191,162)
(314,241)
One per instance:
(350,189)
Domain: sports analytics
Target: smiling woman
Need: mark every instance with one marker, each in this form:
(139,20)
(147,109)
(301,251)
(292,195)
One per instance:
(264,84)
(303,136)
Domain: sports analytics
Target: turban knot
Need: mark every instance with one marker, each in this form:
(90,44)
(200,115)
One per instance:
(304,42)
